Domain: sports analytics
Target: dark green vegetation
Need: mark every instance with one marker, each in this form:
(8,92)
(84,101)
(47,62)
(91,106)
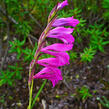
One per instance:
(85,82)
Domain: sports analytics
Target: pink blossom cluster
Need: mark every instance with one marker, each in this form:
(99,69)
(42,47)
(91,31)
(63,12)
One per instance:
(51,65)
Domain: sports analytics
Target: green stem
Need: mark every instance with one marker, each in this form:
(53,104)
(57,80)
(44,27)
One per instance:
(40,44)
(38,93)
(30,94)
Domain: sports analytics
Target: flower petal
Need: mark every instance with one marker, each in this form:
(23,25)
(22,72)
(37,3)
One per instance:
(61,55)
(69,21)
(66,38)
(62,30)
(63,4)
(54,62)
(59,47)
(51,73)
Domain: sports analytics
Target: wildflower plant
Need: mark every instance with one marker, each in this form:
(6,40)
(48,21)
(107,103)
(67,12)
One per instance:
(55,29)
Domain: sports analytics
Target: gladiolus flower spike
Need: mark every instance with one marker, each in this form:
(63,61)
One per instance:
(58,50)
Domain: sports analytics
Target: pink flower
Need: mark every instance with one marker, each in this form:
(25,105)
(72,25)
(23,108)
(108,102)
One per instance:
(66,38)
(51,73)
(54,62)
(62,56)
(59,47)
(58,7)
(57,50)
(61,5)
(70,21)
(59,30)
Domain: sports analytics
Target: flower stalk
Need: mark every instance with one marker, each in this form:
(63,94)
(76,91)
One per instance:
(33,63)
(57,50)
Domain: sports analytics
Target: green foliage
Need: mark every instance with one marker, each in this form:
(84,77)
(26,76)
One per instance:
(9,76)
(2,100)
(13,72)
(98,37)
(104,102)
(73,55)
(105,4)
(17,70)
(43,8)
(84,93)
(72,12)
(6,78)
(1,21)
(88,54)
(15,9)
(16,46)
(92,5)
(23,28)
(28,54)
(18,12)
